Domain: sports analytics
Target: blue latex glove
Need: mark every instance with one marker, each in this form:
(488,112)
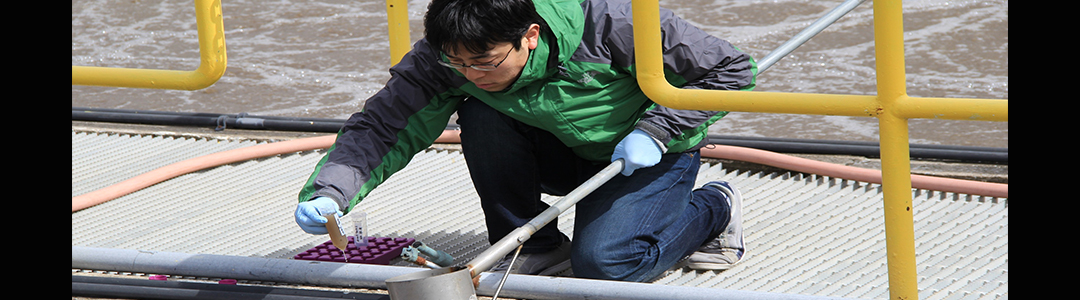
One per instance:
(309,215)
(638,150)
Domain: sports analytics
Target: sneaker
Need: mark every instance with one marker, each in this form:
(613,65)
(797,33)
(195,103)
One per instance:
(545,264)
(726,250)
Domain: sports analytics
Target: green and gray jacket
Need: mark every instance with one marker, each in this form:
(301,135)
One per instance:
(578,84)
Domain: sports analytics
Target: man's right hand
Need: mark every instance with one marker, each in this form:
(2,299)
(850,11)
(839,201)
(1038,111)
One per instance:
(309,215)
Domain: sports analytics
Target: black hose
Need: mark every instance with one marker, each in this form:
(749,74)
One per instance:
(782,145)
(216,121)
(129,288)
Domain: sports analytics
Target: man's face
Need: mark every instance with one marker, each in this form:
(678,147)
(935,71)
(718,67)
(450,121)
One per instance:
(510,62)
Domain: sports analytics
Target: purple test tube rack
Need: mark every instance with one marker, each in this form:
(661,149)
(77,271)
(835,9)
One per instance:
(377,251)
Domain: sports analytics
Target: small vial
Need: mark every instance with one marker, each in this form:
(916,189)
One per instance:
(360,236)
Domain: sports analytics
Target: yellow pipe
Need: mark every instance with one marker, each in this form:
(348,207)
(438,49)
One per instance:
(954,109)
(899,220)
(397,13)
(211,66)
(895,155)
(649,64)
(767,102)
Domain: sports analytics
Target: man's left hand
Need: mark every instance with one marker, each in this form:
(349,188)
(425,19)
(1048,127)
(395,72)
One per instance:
(638,150)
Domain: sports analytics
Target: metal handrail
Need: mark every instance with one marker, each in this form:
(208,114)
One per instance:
(892,106)
(211,66)
(828,19)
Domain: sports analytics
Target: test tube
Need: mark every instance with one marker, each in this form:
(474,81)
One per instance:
(360,228)
(337,233)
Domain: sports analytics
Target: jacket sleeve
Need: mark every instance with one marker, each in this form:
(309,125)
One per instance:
(403,118)
(704,62)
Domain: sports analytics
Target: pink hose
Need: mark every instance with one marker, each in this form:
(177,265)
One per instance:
(194,164)
(853,173)
(451,137)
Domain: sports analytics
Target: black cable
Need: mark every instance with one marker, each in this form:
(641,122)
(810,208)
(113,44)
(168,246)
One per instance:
(782,145)
(216,121)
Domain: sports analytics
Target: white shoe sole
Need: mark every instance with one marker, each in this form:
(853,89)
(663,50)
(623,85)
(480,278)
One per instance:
(705,266)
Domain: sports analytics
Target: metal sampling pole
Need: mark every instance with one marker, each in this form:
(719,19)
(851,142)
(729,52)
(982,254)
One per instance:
(489,257)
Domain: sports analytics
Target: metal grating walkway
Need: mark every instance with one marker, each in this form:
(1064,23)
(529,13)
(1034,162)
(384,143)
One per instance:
(809,235)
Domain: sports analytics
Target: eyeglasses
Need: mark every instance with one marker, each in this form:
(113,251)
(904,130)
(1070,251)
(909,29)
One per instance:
(479,67)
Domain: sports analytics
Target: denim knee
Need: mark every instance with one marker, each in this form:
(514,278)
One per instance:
(635,262)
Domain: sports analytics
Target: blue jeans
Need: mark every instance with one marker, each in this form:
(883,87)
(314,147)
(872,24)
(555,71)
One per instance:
(632,228)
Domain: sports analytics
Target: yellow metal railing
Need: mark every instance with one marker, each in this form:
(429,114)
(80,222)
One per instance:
(892,106)
(397,13)
(211,67)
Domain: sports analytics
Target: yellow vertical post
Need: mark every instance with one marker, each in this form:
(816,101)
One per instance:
(895,155)
(397,13)
(899,221)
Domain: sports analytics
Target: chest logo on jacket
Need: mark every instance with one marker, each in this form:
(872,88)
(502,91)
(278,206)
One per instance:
(585,78)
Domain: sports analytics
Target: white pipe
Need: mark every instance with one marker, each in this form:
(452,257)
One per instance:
(543,287)
(484,261)
(236,267)
(374,276)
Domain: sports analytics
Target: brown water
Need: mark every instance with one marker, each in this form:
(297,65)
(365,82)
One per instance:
(323,58)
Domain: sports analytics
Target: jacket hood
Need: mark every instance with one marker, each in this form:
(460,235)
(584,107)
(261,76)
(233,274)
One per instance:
(565,22)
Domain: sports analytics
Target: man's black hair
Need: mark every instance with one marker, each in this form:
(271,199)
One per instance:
(477,24)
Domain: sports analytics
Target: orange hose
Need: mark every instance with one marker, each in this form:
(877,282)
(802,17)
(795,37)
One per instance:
(853,173)
(449,137)
(452,137)
(194,164)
